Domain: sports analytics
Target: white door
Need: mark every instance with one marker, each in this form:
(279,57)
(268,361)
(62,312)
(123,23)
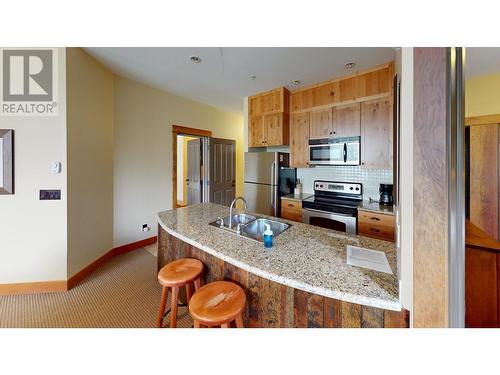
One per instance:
(193,180)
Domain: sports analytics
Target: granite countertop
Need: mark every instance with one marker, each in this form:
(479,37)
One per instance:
(376,207)
(304,257)
(297,197)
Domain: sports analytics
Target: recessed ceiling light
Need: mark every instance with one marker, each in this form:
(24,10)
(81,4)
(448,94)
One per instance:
(253,77)
(350,65)
(296,82)
(195,59)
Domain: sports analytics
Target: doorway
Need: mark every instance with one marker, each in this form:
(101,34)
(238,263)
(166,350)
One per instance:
(204,168)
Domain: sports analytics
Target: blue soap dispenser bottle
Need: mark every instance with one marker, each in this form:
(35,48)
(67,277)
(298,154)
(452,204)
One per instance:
(268,236)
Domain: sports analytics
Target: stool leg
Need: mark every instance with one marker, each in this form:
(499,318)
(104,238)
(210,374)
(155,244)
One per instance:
(189,292)
(173,312)
(164,295)
(225,325)
(239,321)
(196,324)
(197,284)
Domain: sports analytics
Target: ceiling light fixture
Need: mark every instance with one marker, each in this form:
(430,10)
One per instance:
(296,82)
(350,65)
(195,59)
(253,77)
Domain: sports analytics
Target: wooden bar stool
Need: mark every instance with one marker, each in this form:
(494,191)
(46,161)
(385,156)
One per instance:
(218,304)
(176,274)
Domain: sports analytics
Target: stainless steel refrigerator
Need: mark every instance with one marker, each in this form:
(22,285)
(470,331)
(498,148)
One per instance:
(267,178)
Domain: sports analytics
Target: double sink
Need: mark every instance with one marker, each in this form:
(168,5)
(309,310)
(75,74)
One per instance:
(249,226)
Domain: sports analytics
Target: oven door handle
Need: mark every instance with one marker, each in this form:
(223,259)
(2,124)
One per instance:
(327,212)
(345,152)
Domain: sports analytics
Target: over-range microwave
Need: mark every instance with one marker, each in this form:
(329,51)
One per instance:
(334,151)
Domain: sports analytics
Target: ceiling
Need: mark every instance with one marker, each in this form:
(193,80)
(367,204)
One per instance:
(222,79)
(481,61)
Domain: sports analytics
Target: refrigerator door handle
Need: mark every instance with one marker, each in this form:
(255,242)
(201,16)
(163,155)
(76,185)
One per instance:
(273,183)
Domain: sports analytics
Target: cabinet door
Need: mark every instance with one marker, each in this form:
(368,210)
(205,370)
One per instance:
(254,106)
(347,120)
(376,134)
(300,100)
(321,124)
(273,128)
(271,102)
(348,89)
(324,94)
(256,135)
(299,140)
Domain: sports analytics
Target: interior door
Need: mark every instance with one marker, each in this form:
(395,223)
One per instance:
(193,180)
(222,170)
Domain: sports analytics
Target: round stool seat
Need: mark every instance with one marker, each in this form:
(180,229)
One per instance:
(217,303)
(179,272)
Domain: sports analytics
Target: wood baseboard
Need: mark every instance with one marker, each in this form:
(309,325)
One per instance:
(134,246)
(34,288)
(82,274)
(63,285)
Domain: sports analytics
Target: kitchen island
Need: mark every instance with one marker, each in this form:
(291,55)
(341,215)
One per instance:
(303,281)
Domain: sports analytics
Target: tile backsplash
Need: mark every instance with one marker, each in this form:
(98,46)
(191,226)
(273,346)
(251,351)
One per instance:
(370,178)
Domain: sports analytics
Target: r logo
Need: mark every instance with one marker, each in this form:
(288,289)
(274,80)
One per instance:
(27,75)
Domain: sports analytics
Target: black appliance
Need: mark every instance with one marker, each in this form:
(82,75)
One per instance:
(385,191)
(334,205)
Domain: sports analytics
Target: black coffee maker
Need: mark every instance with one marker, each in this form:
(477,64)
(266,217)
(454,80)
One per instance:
(385,191)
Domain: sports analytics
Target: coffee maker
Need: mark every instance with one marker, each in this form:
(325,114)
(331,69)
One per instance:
(385,191)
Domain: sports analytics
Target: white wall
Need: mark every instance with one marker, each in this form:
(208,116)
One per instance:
(33,232)
(406,179)
(180,168)
(143,151)
(90,159)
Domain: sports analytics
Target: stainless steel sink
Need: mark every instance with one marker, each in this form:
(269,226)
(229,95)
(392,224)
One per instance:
(256,228)
(251,226)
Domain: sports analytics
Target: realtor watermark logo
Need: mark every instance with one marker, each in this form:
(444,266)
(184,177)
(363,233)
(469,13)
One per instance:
(29,82)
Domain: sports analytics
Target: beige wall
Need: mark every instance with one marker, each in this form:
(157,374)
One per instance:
(90,159)
(33,232)
(482,95)
(143,151)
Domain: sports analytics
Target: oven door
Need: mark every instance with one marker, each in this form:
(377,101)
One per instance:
(330,220)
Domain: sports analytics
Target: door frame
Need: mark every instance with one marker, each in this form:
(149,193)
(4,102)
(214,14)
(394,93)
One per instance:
(182,130)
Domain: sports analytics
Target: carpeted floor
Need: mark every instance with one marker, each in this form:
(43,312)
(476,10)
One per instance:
(123,293)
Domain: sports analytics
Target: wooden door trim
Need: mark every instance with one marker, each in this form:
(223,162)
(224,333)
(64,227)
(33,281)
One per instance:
(182,130)
(482,120)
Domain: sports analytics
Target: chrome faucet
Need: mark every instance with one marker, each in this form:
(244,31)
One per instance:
(231,210)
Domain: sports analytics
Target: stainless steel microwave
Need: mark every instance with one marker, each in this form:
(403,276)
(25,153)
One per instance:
(335,151)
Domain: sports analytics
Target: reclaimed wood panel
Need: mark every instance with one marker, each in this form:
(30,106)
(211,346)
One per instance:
(484,178)
(273,305)
(430,193)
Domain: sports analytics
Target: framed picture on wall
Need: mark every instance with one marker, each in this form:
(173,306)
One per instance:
(6,161)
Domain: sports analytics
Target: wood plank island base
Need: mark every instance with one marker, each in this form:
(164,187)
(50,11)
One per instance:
(272,304)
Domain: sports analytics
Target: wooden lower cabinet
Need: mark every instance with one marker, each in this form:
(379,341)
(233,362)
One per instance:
(291,210)
(274,305)
(376,225)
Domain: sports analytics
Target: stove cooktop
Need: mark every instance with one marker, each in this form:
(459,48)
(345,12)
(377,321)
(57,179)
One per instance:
(337,197)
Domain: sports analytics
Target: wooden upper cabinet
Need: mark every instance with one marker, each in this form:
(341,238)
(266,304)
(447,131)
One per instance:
(373,83)
(376,134)
(268,118)
(299,140)
(301,100)
(348,89)
(324,94)
(347,120)
(256,132)
(321,123)
(276,129)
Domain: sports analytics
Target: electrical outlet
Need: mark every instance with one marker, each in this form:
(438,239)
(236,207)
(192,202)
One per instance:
(50,195)
(145,228)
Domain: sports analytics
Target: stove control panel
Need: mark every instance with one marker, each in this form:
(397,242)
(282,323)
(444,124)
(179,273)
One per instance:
(338,187)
